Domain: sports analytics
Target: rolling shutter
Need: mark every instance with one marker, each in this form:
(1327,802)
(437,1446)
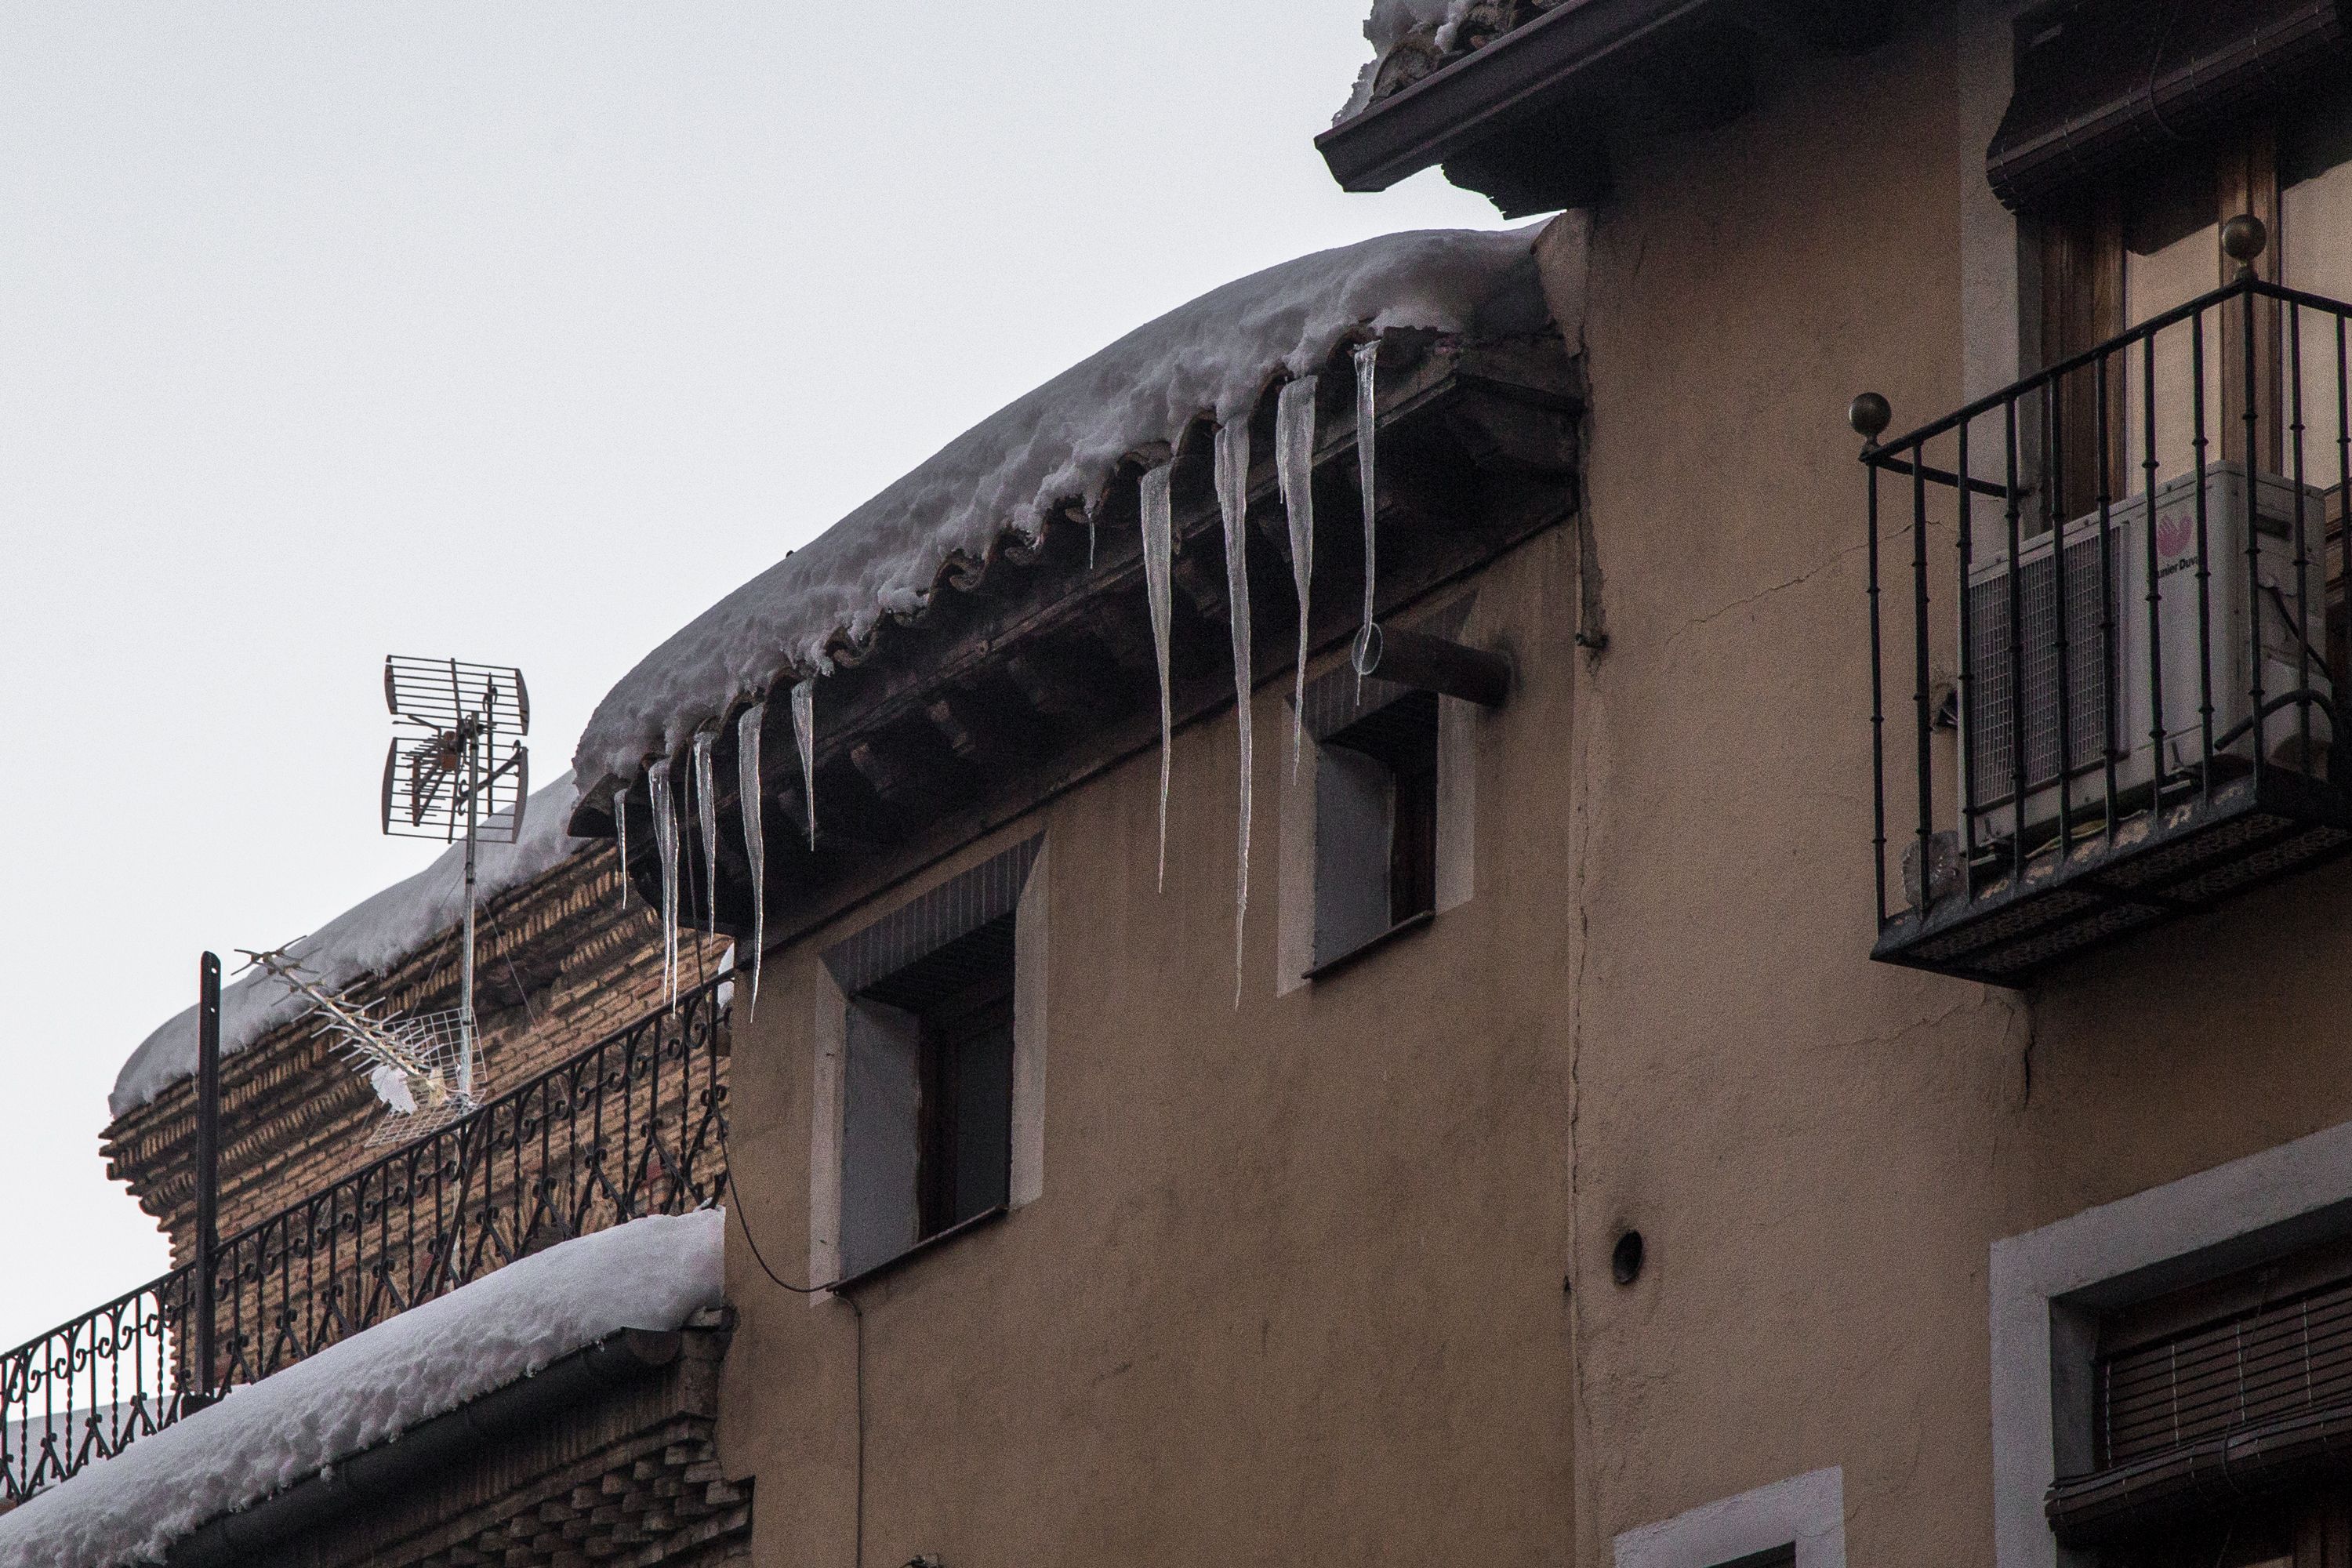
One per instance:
(2253,1402)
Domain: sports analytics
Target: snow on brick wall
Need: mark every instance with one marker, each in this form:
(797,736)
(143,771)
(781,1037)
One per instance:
(652,1273)
(1059,443)
(365,940)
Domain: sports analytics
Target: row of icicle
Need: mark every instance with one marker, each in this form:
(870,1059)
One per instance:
(1294,468)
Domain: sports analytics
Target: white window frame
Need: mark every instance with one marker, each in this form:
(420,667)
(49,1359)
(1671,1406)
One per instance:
(2048,1286)
(1297,893)
(829,1097)
(1805,1514)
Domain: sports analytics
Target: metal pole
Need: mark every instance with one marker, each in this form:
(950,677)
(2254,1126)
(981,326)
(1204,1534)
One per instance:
(208,972)
(465,978)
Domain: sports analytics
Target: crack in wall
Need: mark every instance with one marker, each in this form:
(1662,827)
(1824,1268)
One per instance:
(1833,559)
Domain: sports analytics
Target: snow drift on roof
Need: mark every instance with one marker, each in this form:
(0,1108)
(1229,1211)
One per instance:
(651,1273)
(1391,24)
(366,940)
(1059,443)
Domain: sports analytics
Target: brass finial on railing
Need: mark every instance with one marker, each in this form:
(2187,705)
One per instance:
(1869,415)
(2243,238)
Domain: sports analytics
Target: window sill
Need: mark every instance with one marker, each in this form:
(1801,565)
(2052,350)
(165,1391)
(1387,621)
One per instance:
(985,1218)
(1404,927)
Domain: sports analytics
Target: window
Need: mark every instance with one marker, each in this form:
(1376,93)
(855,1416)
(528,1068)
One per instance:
(1378,818)
(2215,1411)
(922,1086)
(927,1123)
(2179,1278)
(1375,826)
(1377,832)
(1795,1523)
(2124,252)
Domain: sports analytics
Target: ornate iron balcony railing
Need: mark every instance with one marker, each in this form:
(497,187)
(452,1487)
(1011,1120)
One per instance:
(634,1125)
(2127,707)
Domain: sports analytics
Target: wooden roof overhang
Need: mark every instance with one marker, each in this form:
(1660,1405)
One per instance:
(1523,120)
(1035,670)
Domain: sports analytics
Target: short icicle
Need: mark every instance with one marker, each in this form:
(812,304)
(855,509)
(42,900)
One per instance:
(1368,359)
(621,832)
(706,817)
(1159,570)
(755,852)
(1233,502)
(804,737)
(1293,463)
(665,846)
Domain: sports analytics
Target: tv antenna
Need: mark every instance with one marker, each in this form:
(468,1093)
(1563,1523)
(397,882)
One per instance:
(411,1060)
(458,769)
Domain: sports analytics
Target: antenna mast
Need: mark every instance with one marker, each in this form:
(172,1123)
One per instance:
(456,768)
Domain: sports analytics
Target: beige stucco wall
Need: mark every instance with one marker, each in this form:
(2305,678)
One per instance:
(1294,1288)
(1293,1281)
(1805,1139)
(1820,1152)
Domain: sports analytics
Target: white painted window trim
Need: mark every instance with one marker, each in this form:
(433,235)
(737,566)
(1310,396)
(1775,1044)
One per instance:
(829,1099)
(2048,1287)
(1805,1512)
(1457,814)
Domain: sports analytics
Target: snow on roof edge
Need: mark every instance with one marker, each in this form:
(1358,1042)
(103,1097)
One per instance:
(368,939)
(1059,443)
(1392,22)
(652,1273)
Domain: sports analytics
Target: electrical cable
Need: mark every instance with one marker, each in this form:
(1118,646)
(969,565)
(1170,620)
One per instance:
(858,1316)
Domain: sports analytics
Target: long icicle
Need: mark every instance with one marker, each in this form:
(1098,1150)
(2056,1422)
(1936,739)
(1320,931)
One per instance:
(755,851)
(1159,568)
(706,817)
(1368,359)
(665,846)
(804,737)
(1293,464)
(621,831)
(1233,502)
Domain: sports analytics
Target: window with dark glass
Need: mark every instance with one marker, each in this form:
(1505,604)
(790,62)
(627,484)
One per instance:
(926,1085)
(1375,826)
(928,1122)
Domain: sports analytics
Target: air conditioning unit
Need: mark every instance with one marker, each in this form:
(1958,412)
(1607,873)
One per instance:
(1995,724)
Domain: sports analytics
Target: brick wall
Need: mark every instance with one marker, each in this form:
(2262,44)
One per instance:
(560,965)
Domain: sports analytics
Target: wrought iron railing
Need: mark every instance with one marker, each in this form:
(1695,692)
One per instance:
(633,1125)
(2127,707)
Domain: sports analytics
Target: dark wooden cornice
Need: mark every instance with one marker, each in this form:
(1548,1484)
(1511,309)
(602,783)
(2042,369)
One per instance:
(1525,120)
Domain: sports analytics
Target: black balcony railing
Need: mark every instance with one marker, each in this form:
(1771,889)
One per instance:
(634,1125)
(2126,708)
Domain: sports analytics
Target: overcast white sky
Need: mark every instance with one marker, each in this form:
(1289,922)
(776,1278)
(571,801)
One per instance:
(519,333)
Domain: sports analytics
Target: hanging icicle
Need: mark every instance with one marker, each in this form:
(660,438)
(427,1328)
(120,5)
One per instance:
(755,849)
(1368,358)
(1233,502)
(706,817)
(621,831)
(1159,568)
(1294,464)
(665,846)
(804,737)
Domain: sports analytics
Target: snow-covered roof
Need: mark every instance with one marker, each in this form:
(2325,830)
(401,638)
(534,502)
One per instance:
(1410,38)
(366,940)
(1058,446)
(652,1273)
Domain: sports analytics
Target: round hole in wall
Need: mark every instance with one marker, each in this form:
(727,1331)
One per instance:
(1625,1257)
